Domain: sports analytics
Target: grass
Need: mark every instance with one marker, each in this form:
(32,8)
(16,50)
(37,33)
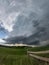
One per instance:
(13,51)
(18,56)
(15,60)
(42,48)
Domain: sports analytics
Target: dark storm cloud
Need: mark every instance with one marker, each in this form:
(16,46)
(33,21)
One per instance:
(31,17)
(35,10)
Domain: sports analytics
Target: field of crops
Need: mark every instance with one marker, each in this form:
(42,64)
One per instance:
(19,56)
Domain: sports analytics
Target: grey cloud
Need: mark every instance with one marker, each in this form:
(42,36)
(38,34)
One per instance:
(24,23)
(22,27)
(30,11)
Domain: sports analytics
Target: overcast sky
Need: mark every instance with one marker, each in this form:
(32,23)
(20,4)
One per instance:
(17,16)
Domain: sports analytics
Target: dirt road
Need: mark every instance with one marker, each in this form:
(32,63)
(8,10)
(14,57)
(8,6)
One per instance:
(39,58)
(39,52)
(32,54)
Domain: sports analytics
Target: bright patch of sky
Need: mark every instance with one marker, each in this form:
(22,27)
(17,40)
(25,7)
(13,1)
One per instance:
(2,41)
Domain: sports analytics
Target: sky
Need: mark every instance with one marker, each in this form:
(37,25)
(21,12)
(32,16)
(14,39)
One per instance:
(17,17)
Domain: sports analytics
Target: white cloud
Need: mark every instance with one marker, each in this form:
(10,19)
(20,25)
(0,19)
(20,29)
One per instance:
(2,41)
(13,3)
(9,21)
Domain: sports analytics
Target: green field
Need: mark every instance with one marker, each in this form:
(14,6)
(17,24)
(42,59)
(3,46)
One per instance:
(41,48)
(19,56)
